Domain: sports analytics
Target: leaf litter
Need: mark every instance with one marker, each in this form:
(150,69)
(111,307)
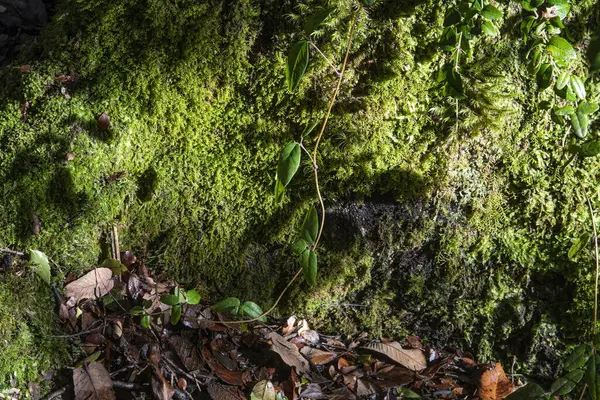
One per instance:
(141,354)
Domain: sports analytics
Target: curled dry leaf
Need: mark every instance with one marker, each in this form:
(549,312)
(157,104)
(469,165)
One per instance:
(95,283)
(92,383)
(494,385)
(289,353)
(412,359)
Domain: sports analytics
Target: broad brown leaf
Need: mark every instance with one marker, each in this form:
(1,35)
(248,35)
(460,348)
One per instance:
(92,383)
(412,359)
(494,385)
(316,356)
(186,351)
(95,283)
(289,353)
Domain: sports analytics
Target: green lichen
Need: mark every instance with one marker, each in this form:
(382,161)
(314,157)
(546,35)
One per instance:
(461,234)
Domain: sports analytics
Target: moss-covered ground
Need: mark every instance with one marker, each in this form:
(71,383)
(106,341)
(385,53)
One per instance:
(458,235)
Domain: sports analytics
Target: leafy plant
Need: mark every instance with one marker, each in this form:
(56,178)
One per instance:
(177,300)
(289,162)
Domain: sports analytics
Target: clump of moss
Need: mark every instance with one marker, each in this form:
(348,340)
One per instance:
(27,348)
(461,230)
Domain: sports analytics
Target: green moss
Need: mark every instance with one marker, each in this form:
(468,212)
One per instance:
(458,234)
(26,348)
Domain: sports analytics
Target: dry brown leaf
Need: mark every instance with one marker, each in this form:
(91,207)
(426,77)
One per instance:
(316,356)
(494,385)
(95,283)
(289,353)
(92,383)
(161,389)
(187,352)
(410,358)
(365,388)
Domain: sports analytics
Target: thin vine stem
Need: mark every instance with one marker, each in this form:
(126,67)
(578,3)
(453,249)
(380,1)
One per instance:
(316,173)
(591,210)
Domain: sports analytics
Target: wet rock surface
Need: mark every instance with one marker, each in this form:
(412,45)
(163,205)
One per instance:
(20,22)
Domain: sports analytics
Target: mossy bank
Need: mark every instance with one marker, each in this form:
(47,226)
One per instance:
(458,235)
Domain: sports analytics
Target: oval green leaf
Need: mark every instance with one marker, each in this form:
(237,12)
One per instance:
(489,29)
(308,260)
(578,87)
(544,76)
(145,321)
(491,12)
(175,314)
(39,263)
(590,149)
(580,123)
(192,297)
(289,161)
(578,357)
(561,50)
(579,244)
(314,20)
(170,299)
(253,310)
(137,310)
(587,108)
(566,110)
(230,304)
(279,190)
(296,64)
(565,384)
(561,8)
(563,80)
(299,246)
(310,227)
(530,391)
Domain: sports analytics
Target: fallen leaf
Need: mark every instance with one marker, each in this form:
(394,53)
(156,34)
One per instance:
(494,385)
(161,389)
(316,356)
(365,388)
(25,68)
(92,383)
(410,358)
(95,283)
(24,108)
(104,121)
(134,287)
(263,390)
(236,378)
(289,353)
(187,352)
(70,156)
(313,391)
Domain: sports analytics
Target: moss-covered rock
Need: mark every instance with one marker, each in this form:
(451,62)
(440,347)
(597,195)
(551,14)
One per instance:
(457,232)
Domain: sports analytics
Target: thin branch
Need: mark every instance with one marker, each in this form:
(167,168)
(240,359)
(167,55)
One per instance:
(325,57)
(331,102)
(13,252)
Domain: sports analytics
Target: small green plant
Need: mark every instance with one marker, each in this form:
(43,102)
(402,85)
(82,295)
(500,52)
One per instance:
(234,306)
(290,159)
(177,300)
(463,23)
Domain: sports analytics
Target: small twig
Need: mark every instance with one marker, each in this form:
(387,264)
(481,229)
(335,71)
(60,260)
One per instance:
(134,387)
(583,391)
(591,210)
(325,57)
(78,333)
(56,393)
(117,250)
(15,253)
